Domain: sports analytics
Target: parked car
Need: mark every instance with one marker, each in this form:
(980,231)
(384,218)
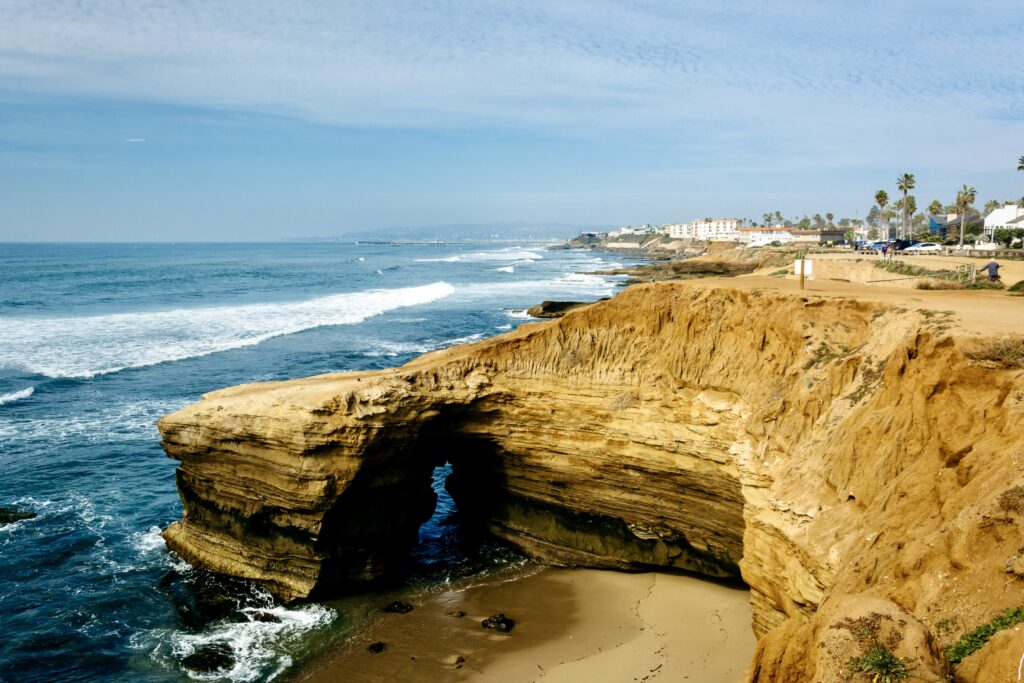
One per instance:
(877,246)
(903,245)
(924,246)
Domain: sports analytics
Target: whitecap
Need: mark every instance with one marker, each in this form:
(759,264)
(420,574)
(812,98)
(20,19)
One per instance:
(510,254)
(94,345)
(506,269)
(258,646)
(116,422)
(16,395)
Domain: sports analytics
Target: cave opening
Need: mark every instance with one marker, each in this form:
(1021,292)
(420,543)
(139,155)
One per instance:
(455,540)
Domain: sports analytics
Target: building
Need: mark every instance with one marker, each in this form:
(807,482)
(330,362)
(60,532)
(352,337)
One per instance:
(760,237)
(1010,217)
(706,229)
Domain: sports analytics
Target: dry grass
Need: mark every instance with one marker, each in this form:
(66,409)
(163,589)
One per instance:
(1005,351)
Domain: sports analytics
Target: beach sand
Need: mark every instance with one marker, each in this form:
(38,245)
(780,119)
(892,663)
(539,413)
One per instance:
(570,625)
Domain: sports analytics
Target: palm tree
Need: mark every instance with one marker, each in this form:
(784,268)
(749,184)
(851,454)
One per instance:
(882,198)
(964,198)
(905,183)
(935,207)
(767,219)
(829,218)
(1020,164)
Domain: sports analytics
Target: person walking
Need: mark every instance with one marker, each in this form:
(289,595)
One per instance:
(993,270)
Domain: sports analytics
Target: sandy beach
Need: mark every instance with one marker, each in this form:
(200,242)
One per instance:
(570,625)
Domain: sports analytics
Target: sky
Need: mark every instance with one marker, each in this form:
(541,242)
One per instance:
(142,120)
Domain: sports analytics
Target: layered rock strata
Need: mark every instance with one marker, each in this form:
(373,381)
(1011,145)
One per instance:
(846,459)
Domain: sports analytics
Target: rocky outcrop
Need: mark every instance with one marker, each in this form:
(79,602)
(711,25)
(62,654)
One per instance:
(555,309)
(846,459)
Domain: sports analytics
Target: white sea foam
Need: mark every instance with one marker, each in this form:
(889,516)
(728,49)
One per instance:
(258,646)
(16,395)
(391,348)
(506,269)
(510,254)
(116,422)
(94,345)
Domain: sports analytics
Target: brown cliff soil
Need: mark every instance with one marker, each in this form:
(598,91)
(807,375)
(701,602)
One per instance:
(848,457)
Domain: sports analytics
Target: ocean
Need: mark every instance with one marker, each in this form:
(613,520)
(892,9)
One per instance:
(98,341)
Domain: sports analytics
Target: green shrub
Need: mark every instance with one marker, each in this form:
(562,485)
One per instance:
(881,664)
(971,642)
(1017,286)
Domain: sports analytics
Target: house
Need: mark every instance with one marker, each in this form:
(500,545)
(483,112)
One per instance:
(1010,216)
(947,226)
(759,237)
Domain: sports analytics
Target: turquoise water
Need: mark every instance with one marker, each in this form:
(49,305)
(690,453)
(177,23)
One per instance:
(98,341)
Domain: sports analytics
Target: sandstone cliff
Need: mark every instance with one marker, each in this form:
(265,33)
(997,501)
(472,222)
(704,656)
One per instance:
(847,460)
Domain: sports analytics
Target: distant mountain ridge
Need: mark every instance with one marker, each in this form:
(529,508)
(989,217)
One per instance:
(464,232)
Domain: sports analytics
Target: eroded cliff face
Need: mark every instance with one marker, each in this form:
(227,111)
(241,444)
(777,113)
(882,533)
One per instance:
(845,459)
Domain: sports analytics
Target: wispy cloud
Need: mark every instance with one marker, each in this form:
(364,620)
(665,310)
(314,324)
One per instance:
(456,63)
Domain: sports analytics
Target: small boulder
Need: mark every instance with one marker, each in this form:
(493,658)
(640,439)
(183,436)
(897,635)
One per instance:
(264,616)
(209,658)
(455,661)
(498,622)
(12,514)
(398,607)
(376,648)
(457,613)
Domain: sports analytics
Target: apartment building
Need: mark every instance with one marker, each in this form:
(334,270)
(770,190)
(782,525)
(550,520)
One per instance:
(705,229)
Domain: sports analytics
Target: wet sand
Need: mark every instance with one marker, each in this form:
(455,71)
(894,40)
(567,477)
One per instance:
(570,625)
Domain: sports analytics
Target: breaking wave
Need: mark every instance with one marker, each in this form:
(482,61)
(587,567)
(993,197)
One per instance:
(16,395)
(96,345)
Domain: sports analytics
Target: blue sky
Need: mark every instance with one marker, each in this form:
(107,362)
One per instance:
(201,120)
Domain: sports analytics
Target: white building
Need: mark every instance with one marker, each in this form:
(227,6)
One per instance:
(759,237)
(1010,216)
(706,229)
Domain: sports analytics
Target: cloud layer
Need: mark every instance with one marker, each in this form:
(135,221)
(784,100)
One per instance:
(507,63)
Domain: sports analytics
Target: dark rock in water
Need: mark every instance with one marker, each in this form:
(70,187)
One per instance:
(398,607)
(210,658)
(458,614)
(267,617)
(498,622)
(456,662)
(200,597)
(554,309)
(8,515)
(376,648)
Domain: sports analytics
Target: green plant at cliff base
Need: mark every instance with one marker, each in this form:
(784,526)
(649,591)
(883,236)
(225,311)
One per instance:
(881,664)
(971,642)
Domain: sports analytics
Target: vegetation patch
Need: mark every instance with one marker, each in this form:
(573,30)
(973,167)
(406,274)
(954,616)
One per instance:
(1005,351)
(881,665)
(877,661)
(871,375)
(1017,286)
(1012,500)
(971,642)
(825,354)
(900,268)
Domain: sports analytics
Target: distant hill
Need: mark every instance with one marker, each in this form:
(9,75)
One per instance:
(466,232)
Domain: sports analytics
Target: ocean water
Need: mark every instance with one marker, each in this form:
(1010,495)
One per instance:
(98,341)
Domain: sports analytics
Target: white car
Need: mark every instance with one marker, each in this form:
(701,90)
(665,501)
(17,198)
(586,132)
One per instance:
(924,246)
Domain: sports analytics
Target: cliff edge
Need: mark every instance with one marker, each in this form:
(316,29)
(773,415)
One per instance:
(845,458)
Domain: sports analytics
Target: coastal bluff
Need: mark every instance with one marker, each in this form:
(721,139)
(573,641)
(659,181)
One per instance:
(848,460)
